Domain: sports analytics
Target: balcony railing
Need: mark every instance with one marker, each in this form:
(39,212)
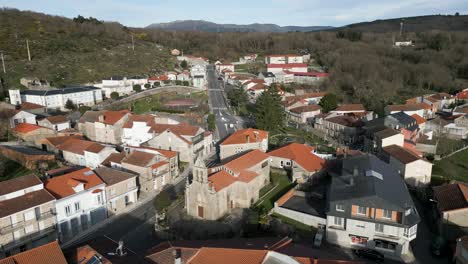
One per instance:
(22,224)
(29,237)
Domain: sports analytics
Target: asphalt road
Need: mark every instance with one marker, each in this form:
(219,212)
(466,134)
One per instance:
(226,123)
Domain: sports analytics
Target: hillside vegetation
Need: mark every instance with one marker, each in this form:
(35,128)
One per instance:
(67,51)
(363,65)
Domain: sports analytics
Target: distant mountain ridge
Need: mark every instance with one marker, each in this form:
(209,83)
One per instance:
(206,26)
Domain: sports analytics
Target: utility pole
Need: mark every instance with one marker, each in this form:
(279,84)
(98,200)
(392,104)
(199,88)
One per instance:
(29,53)
(3,62)
(133,44)
(401,27)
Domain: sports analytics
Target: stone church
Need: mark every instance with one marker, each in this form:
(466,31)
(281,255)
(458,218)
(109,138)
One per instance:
(236,183)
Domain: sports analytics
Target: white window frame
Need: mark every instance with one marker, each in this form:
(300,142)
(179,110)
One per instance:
(379,228)
(360,207)
(339,207)
(67,210)
(338,221)
(384,211)
(77,206)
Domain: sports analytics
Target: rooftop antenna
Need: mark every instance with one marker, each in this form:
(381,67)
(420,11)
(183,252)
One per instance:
(27,46)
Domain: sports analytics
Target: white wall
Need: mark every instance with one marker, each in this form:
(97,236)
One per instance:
(307,219)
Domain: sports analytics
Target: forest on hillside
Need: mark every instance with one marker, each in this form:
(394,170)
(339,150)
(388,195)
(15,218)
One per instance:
(363,66)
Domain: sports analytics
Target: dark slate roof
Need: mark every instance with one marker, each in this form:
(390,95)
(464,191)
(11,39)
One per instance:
(26,150)
(403,118)
(383,188)
(268,74)
(59,91)
(306,205)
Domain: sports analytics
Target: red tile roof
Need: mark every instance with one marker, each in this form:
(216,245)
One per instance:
(30,106)
(419,119)
(463,95)
(246,161)
(79,146)
(18,183)
(285,197)
(158,78)
(62,186)
(284,55)
(140,158)
(24,202)
(258,86)
(57,119)
(350,108)
(305,109)
(404,155)
(301,154)
(24,128)
(287,65)
(112,117)
(228,256)
(451,196)
(244,136)
(45,254)
(408,107)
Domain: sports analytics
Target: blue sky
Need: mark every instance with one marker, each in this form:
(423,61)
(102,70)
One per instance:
(139,13)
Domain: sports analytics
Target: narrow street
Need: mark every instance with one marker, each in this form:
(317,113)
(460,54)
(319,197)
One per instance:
(226,123)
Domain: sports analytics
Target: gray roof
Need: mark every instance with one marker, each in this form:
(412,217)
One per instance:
(59,91)
(26,150)
(305,205)
(376,185)
(268,74)
(90,116)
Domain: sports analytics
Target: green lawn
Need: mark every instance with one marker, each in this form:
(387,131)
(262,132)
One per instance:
(301,229)
(290,134)
(447,146)
(279,185)
(12,169)
(452,168)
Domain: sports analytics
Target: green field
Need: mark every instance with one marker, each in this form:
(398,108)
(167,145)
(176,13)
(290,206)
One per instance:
(452,168)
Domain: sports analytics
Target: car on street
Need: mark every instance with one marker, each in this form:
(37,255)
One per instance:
(369,254)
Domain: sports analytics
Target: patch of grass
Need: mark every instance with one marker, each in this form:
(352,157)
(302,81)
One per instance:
(13,170)
(452,168)
(302,229)
(447,146)
(282,185)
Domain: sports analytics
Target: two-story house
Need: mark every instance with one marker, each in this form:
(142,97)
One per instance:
(103,126)
(84,152)
(121,189)
(81,201)
(243,140)
(56,122)
(369,206)
(26,215)
(215,191)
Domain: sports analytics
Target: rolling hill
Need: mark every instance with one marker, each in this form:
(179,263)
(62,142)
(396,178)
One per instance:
(206,26)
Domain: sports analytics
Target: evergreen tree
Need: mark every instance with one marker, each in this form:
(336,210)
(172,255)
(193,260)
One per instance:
(269,113)
(328,102)
(70,105)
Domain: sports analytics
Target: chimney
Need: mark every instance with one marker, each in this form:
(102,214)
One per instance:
(177,256)
(101,118)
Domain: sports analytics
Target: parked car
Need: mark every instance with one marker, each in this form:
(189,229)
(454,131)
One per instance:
(369,254)
(220,78)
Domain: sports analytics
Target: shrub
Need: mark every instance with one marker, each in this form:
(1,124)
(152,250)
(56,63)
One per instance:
(156,84)
(114,95)
(185,83)
(137,88)
(147,85)
(83,109)
(178,82)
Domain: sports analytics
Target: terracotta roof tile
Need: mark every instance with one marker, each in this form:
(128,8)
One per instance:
(402,154)
(451,196)
(59,186)
(26,128)
(301,154)
(24,202)
(246,161)
(258,86)
(30,106)
(346,120)
(57,119)
(419,119)
(350,107)
(305,109)
(112,117)
(285,197)
(18,183)
(79,146)
(113,176)
(228,256)
(244,136)
(114,158)
(408,107)
(45,254)
(166,153)
(55,141)
(139,158)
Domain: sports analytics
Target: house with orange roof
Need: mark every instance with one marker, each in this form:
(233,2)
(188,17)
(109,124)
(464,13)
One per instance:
(32,133)
(300,160)
(44,254)
(83,152)
(463,95)
(302,100)
(243,140)
(415,170)
(22,116)
(27,217)
(224,66)
(235,183)
(55,122)
(153,168)
(439,101)
(80,201)
(451,207)
(422,109)
(303,114)
(104,126)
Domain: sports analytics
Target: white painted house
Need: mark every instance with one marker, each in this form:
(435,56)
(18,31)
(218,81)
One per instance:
(84,152)
(117,84)
(57,98)
(284,59)
(81,201)
(291,67)
(57,122)
(22,117)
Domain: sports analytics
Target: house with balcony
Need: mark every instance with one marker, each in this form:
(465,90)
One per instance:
(243,140)
(27,215)
(369,206)
(80,201)
(121,189)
